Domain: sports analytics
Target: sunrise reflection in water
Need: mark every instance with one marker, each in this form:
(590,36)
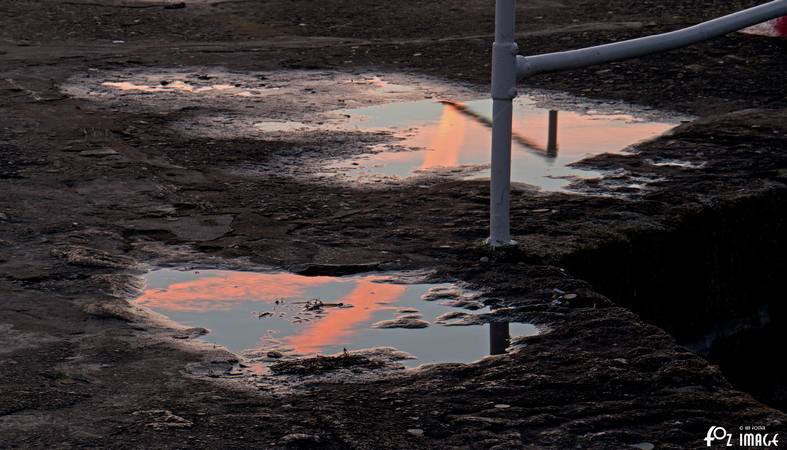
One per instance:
(264,311)
(217,291)
(448,135)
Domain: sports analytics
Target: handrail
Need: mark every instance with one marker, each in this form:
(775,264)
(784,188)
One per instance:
(616,51)
(508,67)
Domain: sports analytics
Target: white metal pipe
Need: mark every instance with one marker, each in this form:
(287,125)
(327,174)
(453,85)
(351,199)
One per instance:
(504,77)
(500,183)
(507,67)
(574,59)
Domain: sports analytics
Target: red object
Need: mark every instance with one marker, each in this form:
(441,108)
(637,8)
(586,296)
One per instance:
(781,26)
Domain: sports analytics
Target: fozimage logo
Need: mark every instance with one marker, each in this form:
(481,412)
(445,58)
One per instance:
(748,436)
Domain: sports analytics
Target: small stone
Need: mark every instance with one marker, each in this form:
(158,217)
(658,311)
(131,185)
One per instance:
(570,296)
(416,432)
(98,153)
(484,259)
(274,354)
(401,323)
(410,316)
(190,333)
(450,316)
(439,293)
(644,446)
(464,303)
(162,419)
(299,438)
(502,406)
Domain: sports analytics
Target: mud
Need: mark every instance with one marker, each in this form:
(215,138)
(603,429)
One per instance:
(94,193)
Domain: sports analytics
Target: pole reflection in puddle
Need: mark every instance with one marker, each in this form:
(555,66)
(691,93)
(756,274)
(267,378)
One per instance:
(452,137)
(299,316)
(499,337)
(552,138)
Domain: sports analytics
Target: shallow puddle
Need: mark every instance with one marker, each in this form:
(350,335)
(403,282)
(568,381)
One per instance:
(454,138)
(415,125)
(278,315)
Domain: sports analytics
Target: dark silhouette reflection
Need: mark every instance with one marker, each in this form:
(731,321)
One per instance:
(552,138)
(499,338)
(550,152)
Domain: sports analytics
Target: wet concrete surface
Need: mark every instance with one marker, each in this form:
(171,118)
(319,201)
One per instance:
(96,193)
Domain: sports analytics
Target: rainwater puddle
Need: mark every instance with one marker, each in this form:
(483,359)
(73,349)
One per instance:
(379,127)
(277,316)
(453,138)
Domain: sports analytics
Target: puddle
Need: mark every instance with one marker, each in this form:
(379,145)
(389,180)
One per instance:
(446,137)
(276,316)
(278,95)
(373,128)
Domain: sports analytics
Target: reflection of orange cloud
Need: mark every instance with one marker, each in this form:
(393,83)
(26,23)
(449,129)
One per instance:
(580,134)
(221,291)
(341,323)
(450,136)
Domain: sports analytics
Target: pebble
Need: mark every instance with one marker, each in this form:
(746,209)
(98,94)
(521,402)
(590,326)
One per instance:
(401,323)
(416,432)
(99,153)
(644,446)
(502,406)
(299,438)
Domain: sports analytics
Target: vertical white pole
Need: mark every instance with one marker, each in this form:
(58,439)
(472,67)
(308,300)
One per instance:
(504,75)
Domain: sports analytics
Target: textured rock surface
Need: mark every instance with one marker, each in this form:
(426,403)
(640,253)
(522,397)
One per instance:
(701,245)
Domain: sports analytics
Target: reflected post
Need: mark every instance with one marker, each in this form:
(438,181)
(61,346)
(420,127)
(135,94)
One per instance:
(552,137)
(499,337)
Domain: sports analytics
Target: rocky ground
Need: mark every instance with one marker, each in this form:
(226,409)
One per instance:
(94,193)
